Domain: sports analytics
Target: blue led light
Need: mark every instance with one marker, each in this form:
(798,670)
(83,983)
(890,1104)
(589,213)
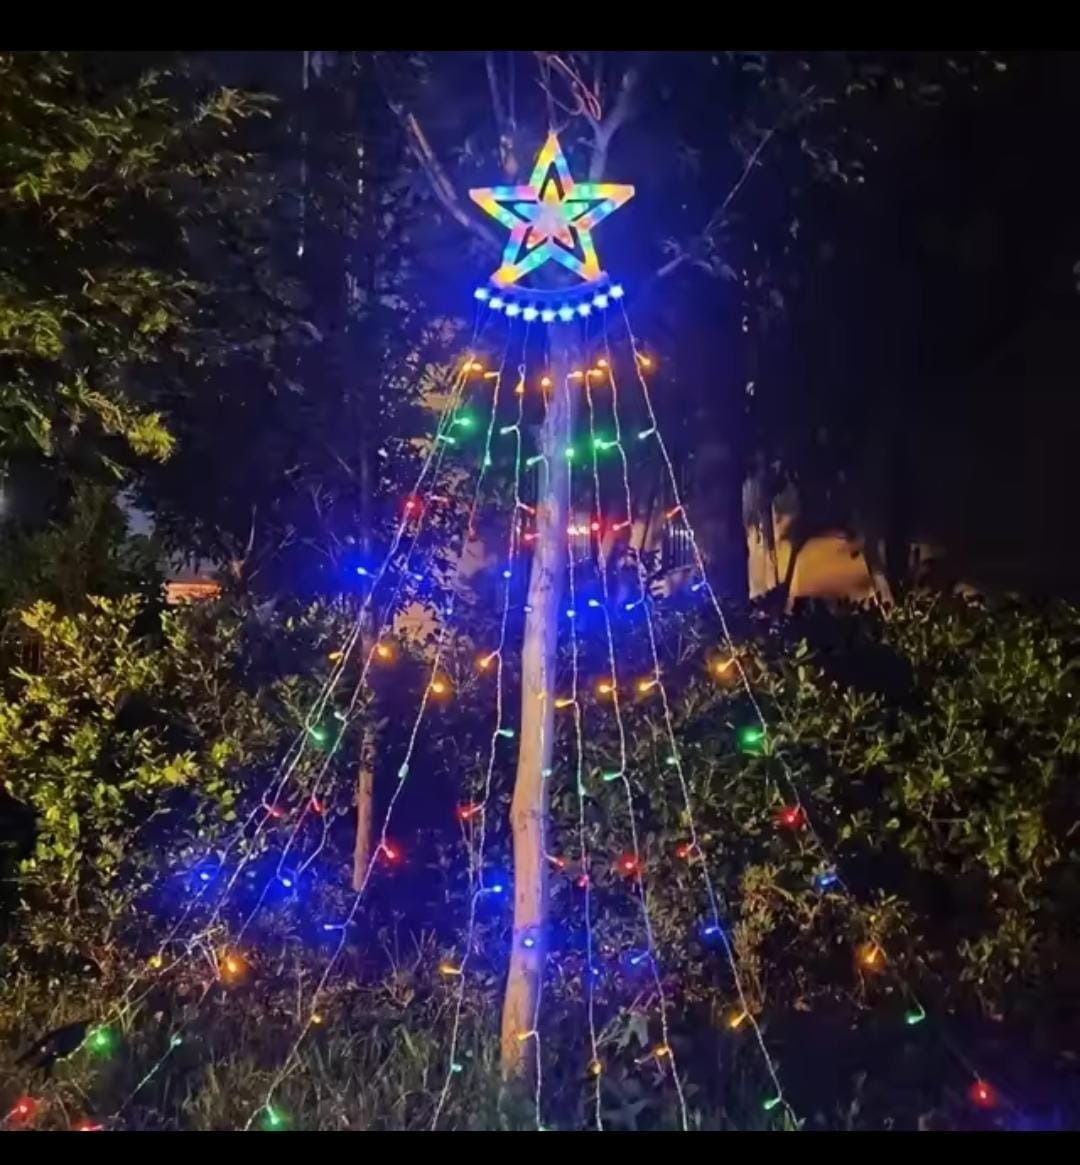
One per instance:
(498,888)
(631,606)
(481,293)
(547,316)
(826,879)
(584,309)
(529,941)
(594,602)
(570,612)
(205,876)
(363,571)
(286,881)
(512,309)
(566,313)
(495,303)
(616,291)
(506,573)
(600,301)
(529,314)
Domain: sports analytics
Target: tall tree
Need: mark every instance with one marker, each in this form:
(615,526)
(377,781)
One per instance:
(107,161)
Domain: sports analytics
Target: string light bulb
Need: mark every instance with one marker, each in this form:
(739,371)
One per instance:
(24,1109)
(750,738)
(983,1095)
(605,688)
(273,1119)
(790,817)
(545,381)
(384,651)
(736,1019)
(628,864)
(439,687)
(871,957)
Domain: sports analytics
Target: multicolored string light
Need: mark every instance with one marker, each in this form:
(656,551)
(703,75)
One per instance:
(637,873)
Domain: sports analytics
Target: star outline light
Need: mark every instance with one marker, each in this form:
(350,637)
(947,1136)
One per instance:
(551,218)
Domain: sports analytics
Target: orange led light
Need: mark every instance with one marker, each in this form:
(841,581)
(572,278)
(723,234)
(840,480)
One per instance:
(577,374)
(316,1019)
(545,381)
(475,366)
(438,687)
(384,651)
(485,661)
(646,685)
(595,1067)
(449,969)
(661,1050)
(736,1019)
(334,656)
(871,956)
(601,363)
(564,702)
(643,360)
(605,688)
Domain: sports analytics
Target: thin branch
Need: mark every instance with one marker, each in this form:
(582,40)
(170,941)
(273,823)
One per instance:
(503,124)
(442,187)
(604,131)
(716,217)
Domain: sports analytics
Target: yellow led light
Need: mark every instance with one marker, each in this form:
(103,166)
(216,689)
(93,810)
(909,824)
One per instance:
(156,962)
(564,702)
(605,688)
(736,1019)
(449,969)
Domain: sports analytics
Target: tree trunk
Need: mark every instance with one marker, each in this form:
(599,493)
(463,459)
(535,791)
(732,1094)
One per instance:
(365,789)
(529,808)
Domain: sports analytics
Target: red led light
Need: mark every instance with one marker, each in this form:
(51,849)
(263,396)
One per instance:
(983,1095)
(790,817)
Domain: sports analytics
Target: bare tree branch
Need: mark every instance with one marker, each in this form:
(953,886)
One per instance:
(604,131)
(716,218)
(503,120)
(442,187)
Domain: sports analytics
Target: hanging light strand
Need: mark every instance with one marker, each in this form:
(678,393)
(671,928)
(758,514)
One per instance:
(639,878)
(795,803)
(476,859)
(403,772)
(676,756)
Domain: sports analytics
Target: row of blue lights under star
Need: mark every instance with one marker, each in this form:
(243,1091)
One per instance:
(548,315)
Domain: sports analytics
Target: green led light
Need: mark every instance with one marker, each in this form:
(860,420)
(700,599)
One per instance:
(507,732)
(447,438)
(487,460)
(611,776)
(646,433)
(455,1067)
(771,1103)
(534,460)
(569,453)
(465,421)
(101,1041)
(273,1119)
(914,1017)
(507,429)
(751,738)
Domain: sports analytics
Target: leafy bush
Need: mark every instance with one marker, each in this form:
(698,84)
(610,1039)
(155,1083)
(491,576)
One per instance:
(933,751)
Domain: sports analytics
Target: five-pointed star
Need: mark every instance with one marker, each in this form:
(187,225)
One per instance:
(550,218)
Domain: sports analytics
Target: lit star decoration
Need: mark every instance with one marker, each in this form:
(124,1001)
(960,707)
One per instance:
(550,219)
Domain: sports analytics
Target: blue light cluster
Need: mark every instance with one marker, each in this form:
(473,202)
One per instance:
(531,305)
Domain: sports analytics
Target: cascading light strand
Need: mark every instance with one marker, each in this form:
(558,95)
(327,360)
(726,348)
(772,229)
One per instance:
(499,731)
(675,758)
(639,881)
